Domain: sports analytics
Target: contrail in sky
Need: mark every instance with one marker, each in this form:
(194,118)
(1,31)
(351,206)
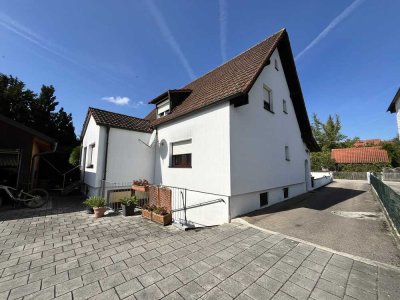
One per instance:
(169,38)
(335,22)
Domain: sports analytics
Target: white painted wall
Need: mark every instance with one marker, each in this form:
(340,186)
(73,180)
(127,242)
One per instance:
(128,158)
(258,140)
(397,105)
(210,172)
(92,178)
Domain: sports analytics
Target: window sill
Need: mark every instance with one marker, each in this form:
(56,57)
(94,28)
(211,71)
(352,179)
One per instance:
(285,112)
(180,167)
(287,159)
(90,167)
(276,69)
(271,111)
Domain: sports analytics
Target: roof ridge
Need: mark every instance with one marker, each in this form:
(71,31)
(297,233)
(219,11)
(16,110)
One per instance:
(243,52)
(107,111)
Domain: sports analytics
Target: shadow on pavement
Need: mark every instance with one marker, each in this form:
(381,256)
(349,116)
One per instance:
(331,196)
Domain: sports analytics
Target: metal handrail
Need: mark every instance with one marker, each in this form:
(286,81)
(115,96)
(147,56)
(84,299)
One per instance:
(199,204)
(64,175)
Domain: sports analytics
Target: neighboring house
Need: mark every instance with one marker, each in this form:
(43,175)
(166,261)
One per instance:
(368,143)
(360,155)
(20,151)
(240,134)
(394,107)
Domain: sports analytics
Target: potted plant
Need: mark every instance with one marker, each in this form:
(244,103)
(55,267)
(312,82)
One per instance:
(147,211)
(140,185)
(89,210)
(98,205)
(162,216)
(128,205)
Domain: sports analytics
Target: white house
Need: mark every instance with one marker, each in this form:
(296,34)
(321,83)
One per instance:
(235,140)
(394,107)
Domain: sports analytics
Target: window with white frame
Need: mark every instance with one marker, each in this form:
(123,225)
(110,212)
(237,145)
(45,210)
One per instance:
(287,154)
(182,154)
(89,161)
(268,105)
(276,65)
(163,108)
(284,106)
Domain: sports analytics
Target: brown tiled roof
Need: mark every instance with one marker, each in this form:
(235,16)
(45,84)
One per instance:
(236,77)
(116,120)
(364,155)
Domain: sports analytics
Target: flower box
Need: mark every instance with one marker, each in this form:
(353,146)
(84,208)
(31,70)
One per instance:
(162,219)
(146,214)
(140,188)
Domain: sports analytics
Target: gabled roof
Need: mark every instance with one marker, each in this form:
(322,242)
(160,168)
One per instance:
(115,120)
(366,143)
(367,155)
(392,106)
(236,77)
(27,129)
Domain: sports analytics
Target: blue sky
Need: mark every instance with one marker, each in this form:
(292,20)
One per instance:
(117,55)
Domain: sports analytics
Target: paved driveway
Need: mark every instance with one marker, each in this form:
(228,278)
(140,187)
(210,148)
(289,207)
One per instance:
(332,217)
(69,255)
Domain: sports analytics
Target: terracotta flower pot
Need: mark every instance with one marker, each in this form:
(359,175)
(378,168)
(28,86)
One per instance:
(162,219)
(146,214)
(99,211)
(140,188)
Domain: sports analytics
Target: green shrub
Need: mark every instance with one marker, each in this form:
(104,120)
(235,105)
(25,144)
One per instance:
(95,201)
(128,201)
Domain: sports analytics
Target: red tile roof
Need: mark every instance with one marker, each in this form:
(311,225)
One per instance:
(365,155)
(236,77)
(364,143)
(116,120)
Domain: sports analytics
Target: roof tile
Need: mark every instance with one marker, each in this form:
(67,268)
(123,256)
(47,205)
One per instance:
(366,155)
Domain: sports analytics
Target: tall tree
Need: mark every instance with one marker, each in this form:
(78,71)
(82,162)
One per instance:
(36,111)
(328,135)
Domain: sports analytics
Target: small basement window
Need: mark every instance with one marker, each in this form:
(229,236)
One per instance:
(276,65)
(163,108)
(263,199)
(284,106)
(182,154)
(285,192)
(268,99)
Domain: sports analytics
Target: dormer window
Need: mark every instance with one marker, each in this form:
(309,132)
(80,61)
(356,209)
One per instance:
(163,108)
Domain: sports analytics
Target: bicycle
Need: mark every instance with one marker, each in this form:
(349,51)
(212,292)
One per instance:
(34,198)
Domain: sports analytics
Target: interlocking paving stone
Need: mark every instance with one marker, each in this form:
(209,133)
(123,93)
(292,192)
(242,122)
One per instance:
(150,293)
(169,284)
(75,256)
(86,291)
(128,288)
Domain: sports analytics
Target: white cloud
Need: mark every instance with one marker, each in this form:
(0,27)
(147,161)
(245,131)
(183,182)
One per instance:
(117,100)
(169,38)
(223,21)
(335,22)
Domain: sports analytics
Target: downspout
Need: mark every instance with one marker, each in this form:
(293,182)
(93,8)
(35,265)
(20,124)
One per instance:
(105,161)
(155,156)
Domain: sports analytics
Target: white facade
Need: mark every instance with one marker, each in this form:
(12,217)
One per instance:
(397,106)
(128,157)
(236,153)
(260,140)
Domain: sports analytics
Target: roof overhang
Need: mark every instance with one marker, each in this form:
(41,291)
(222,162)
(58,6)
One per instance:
(392,106)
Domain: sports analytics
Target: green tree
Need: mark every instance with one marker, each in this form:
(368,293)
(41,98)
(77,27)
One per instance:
(36,111)
(328,135)
(75,156)
(393,149)
(322,161)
